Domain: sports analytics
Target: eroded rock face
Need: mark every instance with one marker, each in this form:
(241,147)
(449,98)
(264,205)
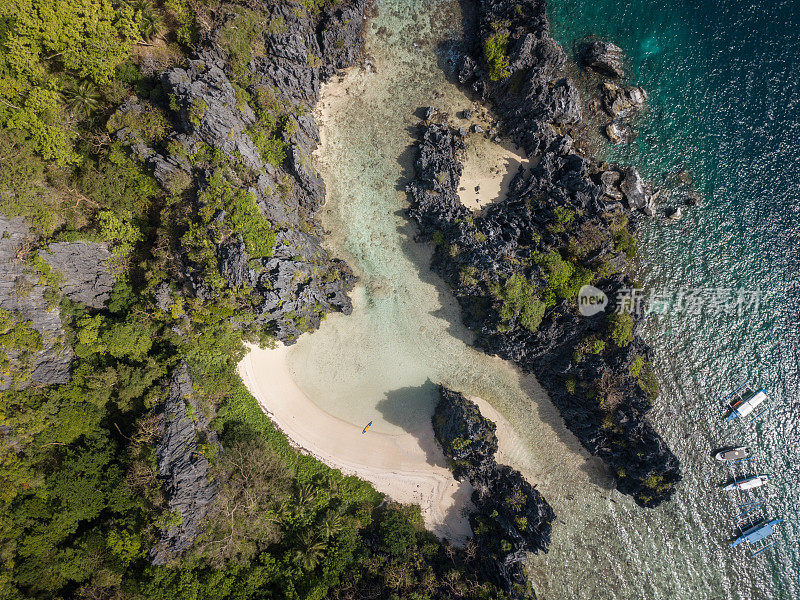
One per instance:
(184,470)
(636,193)
(23,294)
(85,268)
(511,517)
(565,205)
(300,282)
(515,231)
(536,101)
(623,102)
(467,439)
(603,57)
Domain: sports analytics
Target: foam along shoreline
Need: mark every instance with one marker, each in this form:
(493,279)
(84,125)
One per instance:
(407,467)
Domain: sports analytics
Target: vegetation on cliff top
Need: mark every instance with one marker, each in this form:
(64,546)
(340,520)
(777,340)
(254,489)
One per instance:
(81,503)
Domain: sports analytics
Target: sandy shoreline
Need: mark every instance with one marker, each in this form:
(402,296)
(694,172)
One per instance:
(407,467)
(489,168)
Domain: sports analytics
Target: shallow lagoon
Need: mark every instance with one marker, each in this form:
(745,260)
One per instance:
(405,334)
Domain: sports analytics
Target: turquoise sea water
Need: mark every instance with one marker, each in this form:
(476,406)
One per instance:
(720,105)
(724,84)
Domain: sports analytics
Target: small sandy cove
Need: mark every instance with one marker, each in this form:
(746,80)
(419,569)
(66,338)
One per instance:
(408,467)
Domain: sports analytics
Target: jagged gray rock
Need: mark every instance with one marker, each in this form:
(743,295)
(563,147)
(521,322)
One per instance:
(300,282)
(22,293)
(184,470)
(637,196)
(623,102)
(603,57)
(85,267)
(504,531)
(209,108)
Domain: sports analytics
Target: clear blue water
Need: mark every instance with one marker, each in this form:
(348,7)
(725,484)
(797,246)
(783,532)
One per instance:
(724,85)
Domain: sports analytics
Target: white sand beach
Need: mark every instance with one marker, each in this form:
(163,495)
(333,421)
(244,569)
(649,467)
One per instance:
(407,467)
(489,168)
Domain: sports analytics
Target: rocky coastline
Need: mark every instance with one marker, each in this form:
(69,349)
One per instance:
(239,157)
(568,221)
(256,113)
(511,518)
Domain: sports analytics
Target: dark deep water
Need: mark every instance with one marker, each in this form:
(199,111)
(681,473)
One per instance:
(723,79)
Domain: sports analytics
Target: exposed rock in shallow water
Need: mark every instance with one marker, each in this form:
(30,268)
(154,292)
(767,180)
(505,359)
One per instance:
(603,57)
(623,102)
(619,133)
(185,471)
(637,195)
(511,517)
(467,439)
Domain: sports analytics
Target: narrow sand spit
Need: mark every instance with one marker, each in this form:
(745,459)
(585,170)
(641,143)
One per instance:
(407,467)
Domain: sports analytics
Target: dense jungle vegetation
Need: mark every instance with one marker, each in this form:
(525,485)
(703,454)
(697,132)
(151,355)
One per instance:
(81,503)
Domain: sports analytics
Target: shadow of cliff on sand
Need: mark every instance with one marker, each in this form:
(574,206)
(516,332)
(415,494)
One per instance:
(412,408)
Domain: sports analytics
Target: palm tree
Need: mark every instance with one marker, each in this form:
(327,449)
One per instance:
(331,524)
(310,552)
(150,23)
(305,496)
(82,97)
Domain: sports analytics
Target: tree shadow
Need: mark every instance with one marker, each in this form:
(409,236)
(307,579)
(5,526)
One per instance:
(412,408)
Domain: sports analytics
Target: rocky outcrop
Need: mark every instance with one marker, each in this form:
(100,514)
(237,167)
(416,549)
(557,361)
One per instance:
(299,283)
(25,297)
(636,194)
(511,517)
(84,271)
(623,102)
(603,57)
(555,222)
(516,268)
(78,270)
(536,101)
(568,221)
(183,468)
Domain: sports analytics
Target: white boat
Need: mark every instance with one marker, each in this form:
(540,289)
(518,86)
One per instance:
(747,483)
(733,454)
(746,404)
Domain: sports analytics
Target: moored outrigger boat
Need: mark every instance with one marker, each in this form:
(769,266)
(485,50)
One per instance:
(747,483)
(733,454)
(743,401)
(756,534)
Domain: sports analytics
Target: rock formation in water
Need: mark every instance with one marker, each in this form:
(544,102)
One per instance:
(517,268)
(511,517)
(603,57)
